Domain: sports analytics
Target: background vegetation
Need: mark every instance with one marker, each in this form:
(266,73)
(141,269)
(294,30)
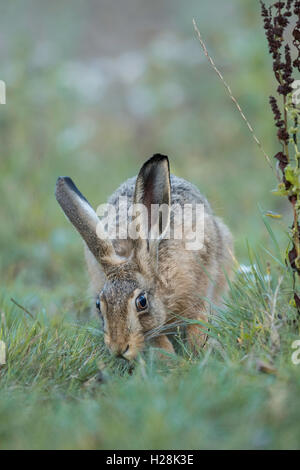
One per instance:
(92,91)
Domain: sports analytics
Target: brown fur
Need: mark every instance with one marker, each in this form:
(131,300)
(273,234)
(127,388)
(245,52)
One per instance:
(175,280)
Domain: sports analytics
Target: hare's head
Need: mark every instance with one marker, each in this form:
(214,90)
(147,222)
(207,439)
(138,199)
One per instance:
(130,304)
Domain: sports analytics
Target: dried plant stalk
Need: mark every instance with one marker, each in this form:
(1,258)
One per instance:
(215,68)
(276,19)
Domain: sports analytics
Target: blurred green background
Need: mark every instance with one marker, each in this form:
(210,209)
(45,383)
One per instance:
(96,87)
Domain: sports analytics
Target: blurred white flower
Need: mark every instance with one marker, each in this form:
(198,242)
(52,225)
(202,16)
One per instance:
(250,271)
(141,101)
(87,80)
(129,67)
(169,48)
(73,137)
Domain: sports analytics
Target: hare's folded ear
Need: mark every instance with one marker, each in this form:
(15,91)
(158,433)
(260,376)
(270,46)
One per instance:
(153,190)
(85,220)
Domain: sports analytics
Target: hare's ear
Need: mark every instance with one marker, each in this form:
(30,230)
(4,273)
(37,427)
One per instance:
(85,220)
(153,190)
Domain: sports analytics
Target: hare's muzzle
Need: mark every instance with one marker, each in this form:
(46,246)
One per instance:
(122,354)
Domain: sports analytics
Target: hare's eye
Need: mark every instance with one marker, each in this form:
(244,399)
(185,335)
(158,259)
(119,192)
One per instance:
(98,306)
(141,302)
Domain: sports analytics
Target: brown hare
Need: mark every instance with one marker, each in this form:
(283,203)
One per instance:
(144,286)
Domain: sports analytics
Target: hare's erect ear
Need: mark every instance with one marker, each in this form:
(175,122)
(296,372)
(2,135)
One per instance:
(153,188)
(85,220)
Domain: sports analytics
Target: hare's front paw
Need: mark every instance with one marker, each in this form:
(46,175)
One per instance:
(196,334)
(162,342)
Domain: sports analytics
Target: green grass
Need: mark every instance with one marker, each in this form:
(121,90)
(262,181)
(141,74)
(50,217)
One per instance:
(60,388)
(50,395)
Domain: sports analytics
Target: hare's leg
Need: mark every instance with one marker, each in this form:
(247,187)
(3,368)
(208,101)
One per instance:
(196,335)
(163,342)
